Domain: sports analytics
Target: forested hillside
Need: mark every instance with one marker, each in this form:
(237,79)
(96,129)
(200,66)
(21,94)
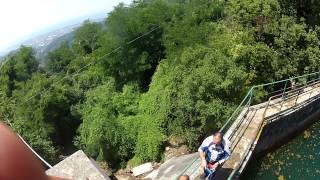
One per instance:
(162,71)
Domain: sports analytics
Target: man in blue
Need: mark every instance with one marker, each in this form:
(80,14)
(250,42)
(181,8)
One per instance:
(214,151)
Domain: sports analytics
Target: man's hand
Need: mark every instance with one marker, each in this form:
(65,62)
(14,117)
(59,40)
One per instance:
(203,159)
(215,165)
(203,163)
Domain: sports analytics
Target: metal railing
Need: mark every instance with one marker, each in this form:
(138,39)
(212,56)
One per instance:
(279,97)
(292,95)
(251,97)
(258,94)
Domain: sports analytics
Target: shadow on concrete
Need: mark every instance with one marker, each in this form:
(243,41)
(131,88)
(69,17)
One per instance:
(223,173)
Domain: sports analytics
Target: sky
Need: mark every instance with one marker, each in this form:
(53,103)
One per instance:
(23,19)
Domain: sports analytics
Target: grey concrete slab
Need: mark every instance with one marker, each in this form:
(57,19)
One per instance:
(78,167)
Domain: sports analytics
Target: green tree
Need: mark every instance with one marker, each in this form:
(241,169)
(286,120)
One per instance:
(105,132)
(307,9)
(138,60)
(17,67)
(29,117)
(58,60)
(86,38)
(193,97)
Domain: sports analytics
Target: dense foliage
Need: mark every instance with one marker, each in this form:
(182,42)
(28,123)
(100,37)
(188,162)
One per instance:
(155,73)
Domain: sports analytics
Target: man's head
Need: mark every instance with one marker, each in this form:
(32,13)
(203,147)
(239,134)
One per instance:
(184,177)
(217,138)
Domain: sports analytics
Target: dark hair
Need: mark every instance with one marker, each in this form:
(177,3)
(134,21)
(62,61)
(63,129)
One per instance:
(220,134)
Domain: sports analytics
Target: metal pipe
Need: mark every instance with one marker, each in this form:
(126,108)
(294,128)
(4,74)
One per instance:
(265,111)
(229,120)
(293,78)
(284,90)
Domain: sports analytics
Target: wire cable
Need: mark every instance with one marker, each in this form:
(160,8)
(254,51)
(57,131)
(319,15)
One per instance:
(73,75)
(90,64)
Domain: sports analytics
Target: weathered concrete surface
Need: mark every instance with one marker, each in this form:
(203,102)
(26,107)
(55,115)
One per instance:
(78,167)
(243,135)
(144,168)
(242,138)
(172,168)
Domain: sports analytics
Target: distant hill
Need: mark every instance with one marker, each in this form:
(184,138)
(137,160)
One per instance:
(45,43)
(41,52)
(50,41)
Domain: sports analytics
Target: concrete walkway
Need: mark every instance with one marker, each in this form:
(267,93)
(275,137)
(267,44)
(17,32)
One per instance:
(243,134)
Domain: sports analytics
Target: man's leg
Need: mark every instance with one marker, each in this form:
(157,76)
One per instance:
(209,170)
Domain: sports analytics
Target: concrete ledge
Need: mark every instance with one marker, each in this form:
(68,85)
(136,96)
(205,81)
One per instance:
(78,167)
(285,127)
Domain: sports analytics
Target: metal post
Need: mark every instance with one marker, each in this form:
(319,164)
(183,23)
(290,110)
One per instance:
(250,98)
(282,102)
(265,111)
(297,97)
(285,88)
(283,94)
(311,92)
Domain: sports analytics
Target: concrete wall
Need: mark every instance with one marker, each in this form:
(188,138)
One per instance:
(285,126)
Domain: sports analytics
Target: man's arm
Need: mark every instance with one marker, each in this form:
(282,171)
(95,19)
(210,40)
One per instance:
(226,152)
(202,154)
(203,159)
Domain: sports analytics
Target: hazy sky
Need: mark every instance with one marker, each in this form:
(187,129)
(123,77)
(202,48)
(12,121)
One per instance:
(22,19)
